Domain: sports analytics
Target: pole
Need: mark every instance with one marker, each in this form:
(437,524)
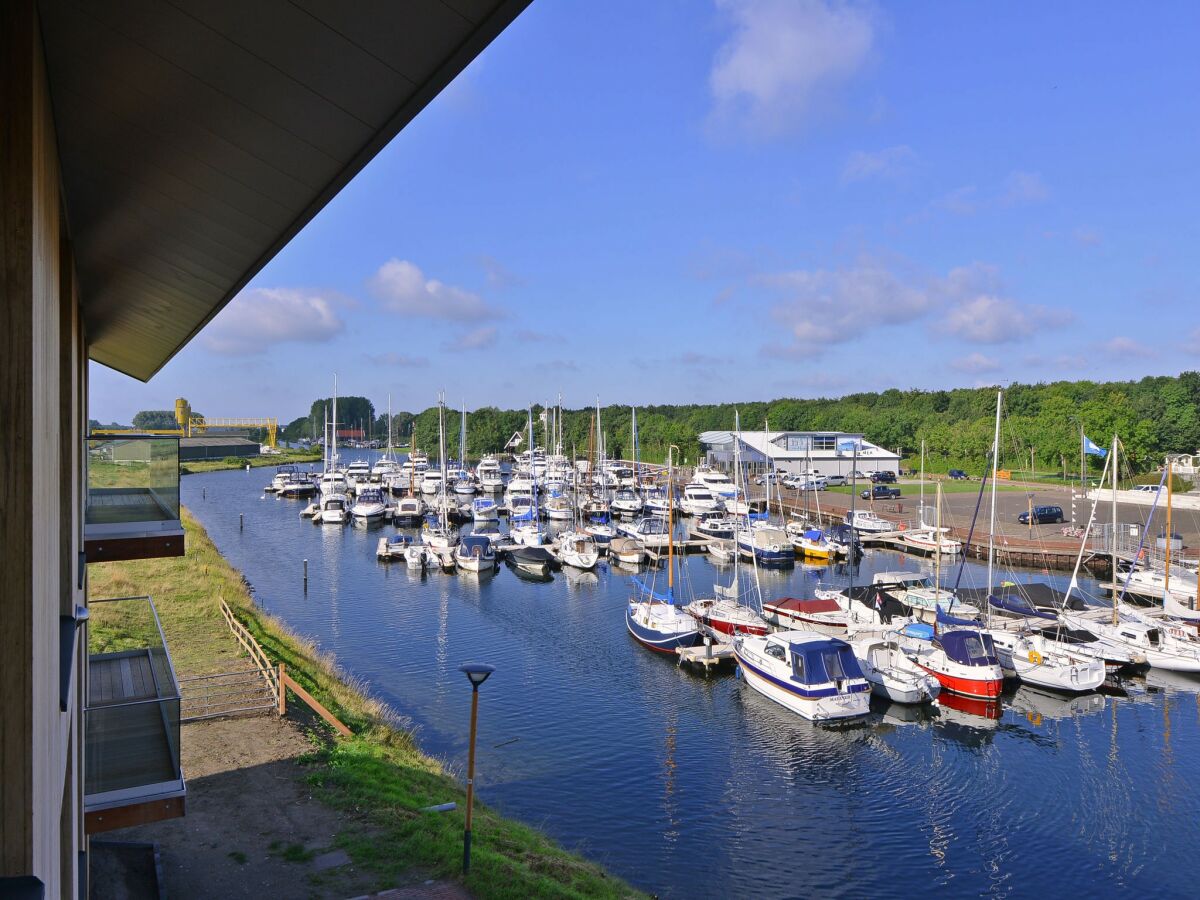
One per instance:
(1115,617)
(470,780)
(1167,576)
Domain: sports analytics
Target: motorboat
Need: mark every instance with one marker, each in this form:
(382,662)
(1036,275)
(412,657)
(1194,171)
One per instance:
(475,554)
(335,509)
(369,505)
(409,510)
(283,474)
(298,484)
(717,482)
(358,474)
(715,524)
(439,537)
(626,502)
(485,509)
(929,540)
(810,542)
(698,499)
(723,551)
(489,474)
(651,531)
(576,549)
(844,540)
(533,559)
(594,505)
(866,522)
(813,675)
(769,545)
(431,482)
(333,482)
(793,613)
(1039,661)
(418,556)
(892,674)
(657,623)
(393,547)
(602,531)
(528,534)
(655,501)
(558,508)
(464,484)
(626,550)
(917,590)
(964,661)
(520,507)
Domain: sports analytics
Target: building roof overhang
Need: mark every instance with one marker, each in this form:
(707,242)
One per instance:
(197,139)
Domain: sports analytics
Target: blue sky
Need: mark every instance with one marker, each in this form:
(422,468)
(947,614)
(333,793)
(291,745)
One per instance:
(687,201)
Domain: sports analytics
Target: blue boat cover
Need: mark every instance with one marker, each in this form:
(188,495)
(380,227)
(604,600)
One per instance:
(825,661)
(968,647)
(668,597)
(815,534)
(944,618)
(1019,605)
(918,630)
(759,516)
(471,541)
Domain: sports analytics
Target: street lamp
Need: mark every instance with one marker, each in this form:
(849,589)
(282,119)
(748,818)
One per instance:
(477,674)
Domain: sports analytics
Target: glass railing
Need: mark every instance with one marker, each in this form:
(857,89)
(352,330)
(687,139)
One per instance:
(133,483)
(131,720)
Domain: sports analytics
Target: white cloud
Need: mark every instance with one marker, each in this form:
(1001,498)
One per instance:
(258,318)
(1021,188)
(498,275)
(475,339)
(403,288)
(1127,347)
(892,162)
(399,360)
(782,55)
(975,364)
(977,312)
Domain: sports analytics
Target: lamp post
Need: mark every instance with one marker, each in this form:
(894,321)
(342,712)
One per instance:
(477,674)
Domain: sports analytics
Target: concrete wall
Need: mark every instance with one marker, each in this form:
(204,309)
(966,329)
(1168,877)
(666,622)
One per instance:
(42,403)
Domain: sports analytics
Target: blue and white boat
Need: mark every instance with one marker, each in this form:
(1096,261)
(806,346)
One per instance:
(769,545)
(651,531)
(657,623)
(813,675)
(485,509)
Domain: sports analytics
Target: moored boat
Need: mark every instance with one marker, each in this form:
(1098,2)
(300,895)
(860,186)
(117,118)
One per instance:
(813,675)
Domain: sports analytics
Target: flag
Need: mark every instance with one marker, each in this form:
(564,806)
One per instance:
(1092,449)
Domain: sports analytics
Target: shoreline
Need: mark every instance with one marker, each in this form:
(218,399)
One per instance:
(379,771)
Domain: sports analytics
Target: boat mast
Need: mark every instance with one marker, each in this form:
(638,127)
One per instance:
(1167,577)
(637,469)
(333,454)
(1116,598)
(992,525)
(442,456)
(462,438)
(670,530)
(922,504)
(537,522)
(937,549)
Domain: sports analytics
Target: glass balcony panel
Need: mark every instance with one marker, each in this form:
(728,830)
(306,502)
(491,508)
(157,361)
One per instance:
(133,497)
(131,722)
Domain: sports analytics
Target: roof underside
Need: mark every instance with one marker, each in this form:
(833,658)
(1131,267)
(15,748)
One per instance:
(196,139)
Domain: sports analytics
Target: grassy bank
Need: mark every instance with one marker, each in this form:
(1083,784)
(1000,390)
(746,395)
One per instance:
(378,772)
(195,467)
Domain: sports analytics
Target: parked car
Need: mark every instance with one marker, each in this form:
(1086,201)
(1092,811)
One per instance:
(765,477)
(883,477)
(1146,488)
(835,480)
(1043,515)
(859,475)
(881,492)
(957,475)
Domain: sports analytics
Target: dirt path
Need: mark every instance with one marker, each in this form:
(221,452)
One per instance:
(252,828)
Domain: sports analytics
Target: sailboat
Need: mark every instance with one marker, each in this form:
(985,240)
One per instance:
(529,532)
(928,538)
(653,618)
(334,503)
(438,536)
(576,548)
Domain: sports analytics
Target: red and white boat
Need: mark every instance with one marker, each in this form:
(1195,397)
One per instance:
(826,616)
(963,661)
(726,616)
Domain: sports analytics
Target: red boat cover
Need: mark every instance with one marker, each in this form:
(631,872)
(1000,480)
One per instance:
(795,604)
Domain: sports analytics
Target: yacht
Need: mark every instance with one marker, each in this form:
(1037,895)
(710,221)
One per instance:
(409,510)
(650,531)
(334,509)
(475,554)
(813,675)
(358,473)
(866,522)
(298,484)
(333,482)
(717,482)
(626,502)
(715,525)
(369,505)
(283,474)
(892,674)
(655,501)
(489,474)
(431,482)
(698,499)
(485,509)
(964,661)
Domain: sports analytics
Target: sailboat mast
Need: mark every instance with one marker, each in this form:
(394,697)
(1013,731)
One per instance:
(1167,576)
(1115,617)
(442,456)
(921,507)
(462,438)
(937,548)
(992,525)
(333,453)
(670,529)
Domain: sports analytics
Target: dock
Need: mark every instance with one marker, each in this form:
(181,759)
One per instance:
(683,547)
(708,655)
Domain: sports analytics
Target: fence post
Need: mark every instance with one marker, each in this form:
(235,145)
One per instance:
(282,692)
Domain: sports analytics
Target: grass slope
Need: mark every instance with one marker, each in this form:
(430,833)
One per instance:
(379,770)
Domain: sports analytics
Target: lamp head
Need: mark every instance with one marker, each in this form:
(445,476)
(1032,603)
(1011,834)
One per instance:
(477,672)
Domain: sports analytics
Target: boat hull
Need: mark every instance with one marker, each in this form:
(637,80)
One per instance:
(815,708)
(658,641)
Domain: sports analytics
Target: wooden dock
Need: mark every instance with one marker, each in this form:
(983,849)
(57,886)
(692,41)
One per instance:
(708,655)
(683,547)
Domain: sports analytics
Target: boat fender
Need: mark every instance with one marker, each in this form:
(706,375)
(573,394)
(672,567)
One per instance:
(1035,657)
(903,526)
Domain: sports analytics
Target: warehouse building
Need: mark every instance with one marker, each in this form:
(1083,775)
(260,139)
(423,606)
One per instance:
(216,447)
(824,452)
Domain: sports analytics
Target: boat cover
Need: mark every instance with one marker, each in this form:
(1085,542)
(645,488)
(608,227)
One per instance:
(919,630)
(944,618)
(881,602)
(471,541)
(826,661)
(795,604)
(1039,594)
(1018,606)
(815,534)
(970,648)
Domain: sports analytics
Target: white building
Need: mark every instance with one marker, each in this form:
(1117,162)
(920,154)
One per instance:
(800,451)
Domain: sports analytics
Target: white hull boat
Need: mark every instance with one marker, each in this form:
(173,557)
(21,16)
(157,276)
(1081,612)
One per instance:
(813,675)
(892,674)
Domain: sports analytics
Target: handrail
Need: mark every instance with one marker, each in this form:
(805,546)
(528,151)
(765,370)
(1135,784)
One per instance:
(257,655)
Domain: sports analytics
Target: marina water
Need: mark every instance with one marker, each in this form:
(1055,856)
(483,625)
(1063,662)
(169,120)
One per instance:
(699,787)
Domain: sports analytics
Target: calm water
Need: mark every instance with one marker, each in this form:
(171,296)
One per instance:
(688,786)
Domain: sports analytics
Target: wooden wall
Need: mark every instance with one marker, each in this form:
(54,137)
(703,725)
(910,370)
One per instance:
(42,416)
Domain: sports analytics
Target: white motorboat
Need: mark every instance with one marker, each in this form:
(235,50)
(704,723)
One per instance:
(576,549)
(283,474)
(655,501)
(464,485)
(559,508)
(916,589)
(795,614)
(485,509)
(418,556)
(369,505)
(964,661)
(358,473)
(698,499)
(475,554)
(602,533)
(866,522)
(930,540)
(393,547)
(489,474)
(626,502)
(409,510)
(626,550)
(333,482)
(335,510)
(299,484)
(893,675)
(813,675)
(715,525)
(431,482)
(718,483)
(650,531)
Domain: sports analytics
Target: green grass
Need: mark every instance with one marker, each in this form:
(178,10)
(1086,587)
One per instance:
(378,775)
(195,467)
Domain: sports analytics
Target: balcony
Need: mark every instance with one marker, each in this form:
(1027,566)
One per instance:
(131,721)
(132,498)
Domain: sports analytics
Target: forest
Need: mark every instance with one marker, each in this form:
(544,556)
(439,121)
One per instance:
(1153,416)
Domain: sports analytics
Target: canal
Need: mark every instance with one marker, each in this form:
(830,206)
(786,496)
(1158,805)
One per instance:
(699,787)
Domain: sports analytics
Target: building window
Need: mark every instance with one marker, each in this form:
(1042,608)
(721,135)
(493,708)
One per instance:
(824,442)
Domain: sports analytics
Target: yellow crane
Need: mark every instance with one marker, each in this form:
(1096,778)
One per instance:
(191,424)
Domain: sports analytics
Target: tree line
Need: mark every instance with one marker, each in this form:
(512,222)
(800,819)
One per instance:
(1153,416)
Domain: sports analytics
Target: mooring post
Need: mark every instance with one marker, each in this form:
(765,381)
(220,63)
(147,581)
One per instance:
(241,521)
(306,576)
(282,691)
